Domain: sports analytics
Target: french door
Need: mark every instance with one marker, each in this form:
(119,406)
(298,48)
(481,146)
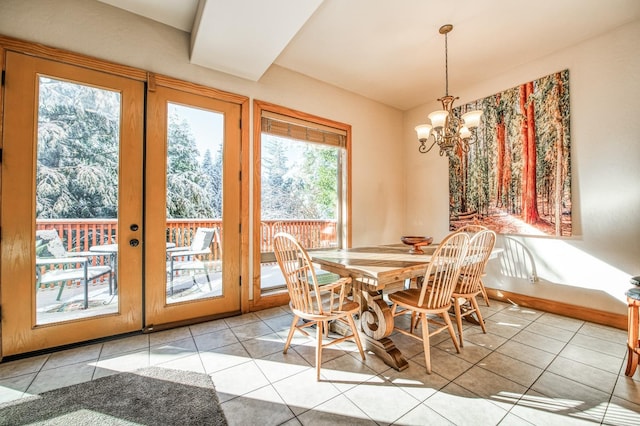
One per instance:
(193,202)
(100,225)
(72,154)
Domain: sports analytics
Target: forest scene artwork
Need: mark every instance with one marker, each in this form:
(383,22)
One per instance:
(516,177)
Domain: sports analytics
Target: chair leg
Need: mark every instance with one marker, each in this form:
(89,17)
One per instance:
(86,294)
(425,341)
(632,362)
(474,304)
(414,321)
(318,349)
(456,307)
(452,333)
(356,335)
(633,321)
(62,284)
(195,281)
(172,273)
(292,329)
(206,271)
(484,293)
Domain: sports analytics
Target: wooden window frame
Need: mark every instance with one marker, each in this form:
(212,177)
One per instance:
(259,301)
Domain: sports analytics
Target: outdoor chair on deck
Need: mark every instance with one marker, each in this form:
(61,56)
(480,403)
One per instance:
(188,258)
(434,296)
(469,283)
(315,304)
(74,266)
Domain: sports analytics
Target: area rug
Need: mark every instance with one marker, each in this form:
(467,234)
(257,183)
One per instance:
(150,396)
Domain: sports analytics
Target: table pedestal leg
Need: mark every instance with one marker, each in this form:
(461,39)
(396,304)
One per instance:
(376,322)
(387,351)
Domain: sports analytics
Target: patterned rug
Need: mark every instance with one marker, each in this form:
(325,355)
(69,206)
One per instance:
(150,396)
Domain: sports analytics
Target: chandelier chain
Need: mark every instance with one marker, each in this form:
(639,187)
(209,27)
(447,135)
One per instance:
(446,66)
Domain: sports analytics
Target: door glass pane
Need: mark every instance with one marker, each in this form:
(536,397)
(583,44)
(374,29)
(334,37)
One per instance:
(300,195)
(194,203)
(76,201)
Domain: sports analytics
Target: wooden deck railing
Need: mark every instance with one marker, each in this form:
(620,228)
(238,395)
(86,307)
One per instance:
(80,234)
(311,233)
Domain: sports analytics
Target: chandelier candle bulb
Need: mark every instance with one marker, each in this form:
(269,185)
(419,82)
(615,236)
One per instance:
(472,119)
(423,131)
(465,133)
(438,118)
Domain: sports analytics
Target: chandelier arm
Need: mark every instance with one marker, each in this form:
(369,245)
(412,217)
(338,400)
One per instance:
(423,148)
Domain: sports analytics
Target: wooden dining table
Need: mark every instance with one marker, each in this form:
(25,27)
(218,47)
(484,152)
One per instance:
(376,270)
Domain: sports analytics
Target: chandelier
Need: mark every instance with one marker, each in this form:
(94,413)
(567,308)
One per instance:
(447,130)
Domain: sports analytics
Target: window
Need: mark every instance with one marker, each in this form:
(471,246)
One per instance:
(301,186)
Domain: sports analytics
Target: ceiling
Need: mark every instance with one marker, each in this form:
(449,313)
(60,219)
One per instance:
(387,51)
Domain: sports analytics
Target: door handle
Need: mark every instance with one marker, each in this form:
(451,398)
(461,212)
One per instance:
(134,227)
(134,242)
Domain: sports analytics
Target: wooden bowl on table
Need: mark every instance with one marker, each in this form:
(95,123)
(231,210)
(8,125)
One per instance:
(416,242)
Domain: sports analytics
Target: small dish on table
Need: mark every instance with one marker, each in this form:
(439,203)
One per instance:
(416,242)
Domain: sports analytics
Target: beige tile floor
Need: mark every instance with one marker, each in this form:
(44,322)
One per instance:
(530,368)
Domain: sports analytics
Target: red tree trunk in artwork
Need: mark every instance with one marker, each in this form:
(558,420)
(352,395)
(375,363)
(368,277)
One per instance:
(506,178)
(529,194)
(463,174)
(500,153)
(523,139)
(559,178)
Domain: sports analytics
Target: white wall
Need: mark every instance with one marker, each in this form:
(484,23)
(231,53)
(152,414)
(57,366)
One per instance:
(99,30)
(591,268)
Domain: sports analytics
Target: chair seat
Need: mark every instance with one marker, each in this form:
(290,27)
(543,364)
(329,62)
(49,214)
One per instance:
(410,298)
(181,252)
(348,308)
(406,297)
(187,265)
(466,294)
(73,274)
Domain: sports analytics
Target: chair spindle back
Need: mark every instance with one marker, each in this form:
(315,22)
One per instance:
(480,246)
(443,271)
(299,274)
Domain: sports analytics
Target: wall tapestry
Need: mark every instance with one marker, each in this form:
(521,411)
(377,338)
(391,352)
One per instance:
(516,177)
